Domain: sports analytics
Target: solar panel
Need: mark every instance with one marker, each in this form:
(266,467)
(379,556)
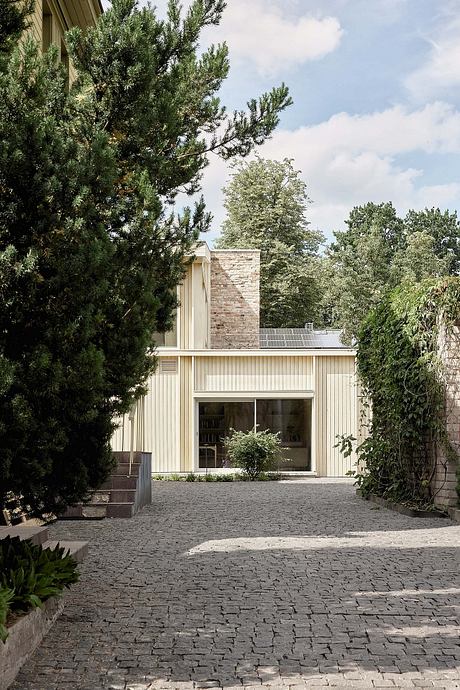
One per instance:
(292,338)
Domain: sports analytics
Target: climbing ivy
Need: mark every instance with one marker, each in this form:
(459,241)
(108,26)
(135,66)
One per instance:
(402,377)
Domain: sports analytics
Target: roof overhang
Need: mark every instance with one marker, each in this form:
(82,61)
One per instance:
(339,352)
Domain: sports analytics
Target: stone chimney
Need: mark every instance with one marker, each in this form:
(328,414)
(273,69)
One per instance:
(235,300)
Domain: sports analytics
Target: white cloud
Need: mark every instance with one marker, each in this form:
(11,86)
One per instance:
(349,160)
(441,69)
(260,32)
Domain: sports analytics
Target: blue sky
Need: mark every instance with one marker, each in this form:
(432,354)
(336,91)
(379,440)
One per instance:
(376,88)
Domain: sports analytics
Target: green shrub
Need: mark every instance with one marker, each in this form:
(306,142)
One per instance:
(29,575)
(6,595)
(191,477)
(254,452)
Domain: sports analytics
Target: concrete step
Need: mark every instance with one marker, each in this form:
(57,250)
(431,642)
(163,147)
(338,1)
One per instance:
(120,510)
(123,468)
(77,549)
(99,496)
(124,455)
(113,496)
(122,495)
(38,535)
(119,481)
(88,511)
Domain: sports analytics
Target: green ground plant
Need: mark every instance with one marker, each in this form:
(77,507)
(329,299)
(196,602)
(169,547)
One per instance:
(29,575)
(216,477)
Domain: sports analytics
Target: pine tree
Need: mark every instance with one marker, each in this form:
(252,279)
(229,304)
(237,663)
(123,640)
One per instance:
(89,253)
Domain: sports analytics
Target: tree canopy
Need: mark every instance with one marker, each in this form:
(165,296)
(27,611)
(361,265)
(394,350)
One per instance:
(379,251)
(266,203)
(90,252)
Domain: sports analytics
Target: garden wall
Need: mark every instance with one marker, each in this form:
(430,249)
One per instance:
(445,481)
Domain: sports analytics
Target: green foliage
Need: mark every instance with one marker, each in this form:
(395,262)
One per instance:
(29,575)
(380,251)
(14,19)
(266,203)
(210,478)
(6,596)
(90,253)
(254,452)
(402,377)
(216,477)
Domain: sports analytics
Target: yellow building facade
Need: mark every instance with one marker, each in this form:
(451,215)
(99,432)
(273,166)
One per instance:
(218,370)
(52,18)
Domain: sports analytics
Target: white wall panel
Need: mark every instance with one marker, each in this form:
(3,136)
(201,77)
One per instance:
(157,424)
(240,374)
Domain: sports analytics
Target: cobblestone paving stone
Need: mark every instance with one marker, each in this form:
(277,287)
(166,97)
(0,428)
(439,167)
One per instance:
(297,584)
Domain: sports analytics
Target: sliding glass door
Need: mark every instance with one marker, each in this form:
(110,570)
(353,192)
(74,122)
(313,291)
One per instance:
(290,417)
(216,419)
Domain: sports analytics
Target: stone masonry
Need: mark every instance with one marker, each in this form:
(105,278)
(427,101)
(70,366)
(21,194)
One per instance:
(235,299)
(444,482)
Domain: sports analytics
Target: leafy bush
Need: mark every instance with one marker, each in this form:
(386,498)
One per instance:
(29,575)
(403,378)
(254,452)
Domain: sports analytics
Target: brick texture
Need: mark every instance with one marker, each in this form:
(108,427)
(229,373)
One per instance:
(444,482)
(235,301)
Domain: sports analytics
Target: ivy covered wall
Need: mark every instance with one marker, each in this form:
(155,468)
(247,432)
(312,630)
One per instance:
(408,362)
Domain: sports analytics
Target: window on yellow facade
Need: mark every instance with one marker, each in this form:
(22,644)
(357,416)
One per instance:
(168,339)
(47,23)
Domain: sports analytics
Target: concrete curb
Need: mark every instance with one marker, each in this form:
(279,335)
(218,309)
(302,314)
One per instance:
(25,634)
(403,510)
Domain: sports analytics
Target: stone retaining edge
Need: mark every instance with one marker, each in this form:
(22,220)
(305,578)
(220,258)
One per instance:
(25,635)
(403,510)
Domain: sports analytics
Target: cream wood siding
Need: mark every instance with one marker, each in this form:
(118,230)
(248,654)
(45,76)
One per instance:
(165,419)
(186,414)
(159,432)
(36,26)
(253,374)
(185,311)
(200,313)
(335,413)
(121,439)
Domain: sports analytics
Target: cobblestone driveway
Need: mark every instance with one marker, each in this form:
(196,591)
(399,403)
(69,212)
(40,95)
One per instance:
(297,584)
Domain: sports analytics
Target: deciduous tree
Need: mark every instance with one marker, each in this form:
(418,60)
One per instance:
(266,203)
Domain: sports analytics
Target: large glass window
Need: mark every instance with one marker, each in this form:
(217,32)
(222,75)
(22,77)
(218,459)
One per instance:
(215,421)
(292,418)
